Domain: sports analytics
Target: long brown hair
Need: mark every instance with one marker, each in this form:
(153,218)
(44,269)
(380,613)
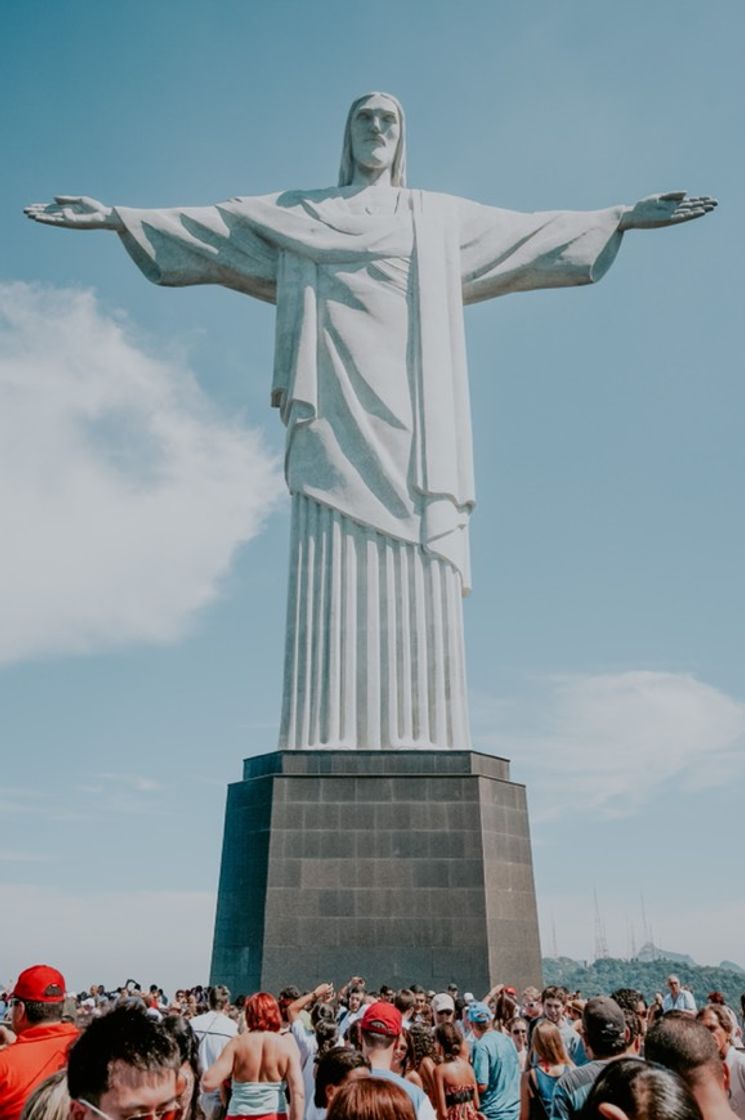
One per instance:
(548,1044)
(371,1098)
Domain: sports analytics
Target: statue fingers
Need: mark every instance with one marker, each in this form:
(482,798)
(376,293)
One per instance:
(689,214)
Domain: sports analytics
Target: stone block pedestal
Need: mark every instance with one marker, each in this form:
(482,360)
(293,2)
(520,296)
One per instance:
(400,865)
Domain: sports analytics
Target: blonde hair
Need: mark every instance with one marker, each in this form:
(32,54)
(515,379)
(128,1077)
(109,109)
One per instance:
(50,1099)
(346,167)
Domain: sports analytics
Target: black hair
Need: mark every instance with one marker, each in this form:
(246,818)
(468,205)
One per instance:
(38,1011)
(628,999)
(321,1011)
(332,1069)
(219,997)
(124,1035)
(290,993)
(449,1039)
(327,1037)
(181,1032)
(643,1091)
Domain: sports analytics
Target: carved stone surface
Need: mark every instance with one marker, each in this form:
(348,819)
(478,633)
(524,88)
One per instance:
(405,865)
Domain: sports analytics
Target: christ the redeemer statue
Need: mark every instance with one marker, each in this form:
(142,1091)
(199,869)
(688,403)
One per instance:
(369,279)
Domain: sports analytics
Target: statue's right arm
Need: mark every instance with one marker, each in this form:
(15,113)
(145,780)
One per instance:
(74,212)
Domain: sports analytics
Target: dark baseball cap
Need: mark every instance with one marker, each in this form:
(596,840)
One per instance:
(604,1023)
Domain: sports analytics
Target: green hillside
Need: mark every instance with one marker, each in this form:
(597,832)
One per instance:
(604,976)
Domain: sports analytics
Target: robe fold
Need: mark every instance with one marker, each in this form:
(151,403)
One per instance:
(371,383)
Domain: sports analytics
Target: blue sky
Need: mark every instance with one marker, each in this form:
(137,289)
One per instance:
(143,519)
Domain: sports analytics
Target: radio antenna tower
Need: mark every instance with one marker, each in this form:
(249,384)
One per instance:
(601,944)
(554,942)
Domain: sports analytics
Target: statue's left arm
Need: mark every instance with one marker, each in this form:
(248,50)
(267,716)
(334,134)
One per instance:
(506,251)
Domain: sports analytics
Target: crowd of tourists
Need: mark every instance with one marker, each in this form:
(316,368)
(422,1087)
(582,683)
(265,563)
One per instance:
(357,1054)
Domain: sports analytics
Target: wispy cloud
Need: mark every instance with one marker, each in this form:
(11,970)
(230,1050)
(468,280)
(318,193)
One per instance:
(124,495)
(610,742)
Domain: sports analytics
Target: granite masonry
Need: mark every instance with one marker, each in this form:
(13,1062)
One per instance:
(402,865)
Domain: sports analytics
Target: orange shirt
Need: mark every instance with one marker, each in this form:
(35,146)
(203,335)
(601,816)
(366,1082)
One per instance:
(36,1054)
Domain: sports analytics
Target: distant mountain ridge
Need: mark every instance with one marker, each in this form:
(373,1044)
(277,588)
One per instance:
(647,975)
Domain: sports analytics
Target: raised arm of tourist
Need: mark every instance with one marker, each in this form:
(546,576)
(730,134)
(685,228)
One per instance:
(321,991)
(493,993)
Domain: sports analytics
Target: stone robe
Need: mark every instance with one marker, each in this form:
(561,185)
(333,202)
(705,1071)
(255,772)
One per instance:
(371,382)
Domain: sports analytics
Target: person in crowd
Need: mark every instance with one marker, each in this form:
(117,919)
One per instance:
(213,1030)
(190,1070)
(287,996)
(678,998)
(425,1056)
(531,1004)
(380,1027)
(404,1059)
(685,1046)
(574,1009)
(42,1039)
(456,1091)
(371,1099)
(308,1039)
(262,1064)
(495,1065)
(353,1011)
(633,1090)
(716,1020)
(606,1038)
(405,1001)
(387,994)
(50,1099)
(548,1062)
(517,1029)
(505,1010)
(420,1003)
(125,1064)
(443,1008)
(553,1001)
(736,1031)
(335,1069)
(654,1011)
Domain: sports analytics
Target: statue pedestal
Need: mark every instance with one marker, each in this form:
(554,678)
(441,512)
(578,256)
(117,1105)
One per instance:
(400,865)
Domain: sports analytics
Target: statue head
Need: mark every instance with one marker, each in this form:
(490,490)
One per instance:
(360,144)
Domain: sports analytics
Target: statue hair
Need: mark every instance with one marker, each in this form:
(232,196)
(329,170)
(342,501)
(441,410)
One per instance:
(346,167)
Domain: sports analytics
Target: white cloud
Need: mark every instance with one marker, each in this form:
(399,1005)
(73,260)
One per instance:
(123,494)
(610,742)
(162,936)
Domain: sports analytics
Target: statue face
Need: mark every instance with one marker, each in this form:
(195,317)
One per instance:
(376,131)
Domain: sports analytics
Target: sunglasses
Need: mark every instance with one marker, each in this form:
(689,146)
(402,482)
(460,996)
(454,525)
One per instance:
(519,1030)
(170,1112)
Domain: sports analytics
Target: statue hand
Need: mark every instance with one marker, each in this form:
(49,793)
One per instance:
(73,212)
(658,210)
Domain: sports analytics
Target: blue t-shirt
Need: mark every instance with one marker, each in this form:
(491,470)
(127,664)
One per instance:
(496,1065)
(420,1100)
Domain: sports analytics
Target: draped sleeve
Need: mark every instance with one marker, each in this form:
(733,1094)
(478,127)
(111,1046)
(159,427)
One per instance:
(505,251)
(200,245)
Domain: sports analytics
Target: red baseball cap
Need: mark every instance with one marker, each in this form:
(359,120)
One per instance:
(40,983)
(382,1018)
